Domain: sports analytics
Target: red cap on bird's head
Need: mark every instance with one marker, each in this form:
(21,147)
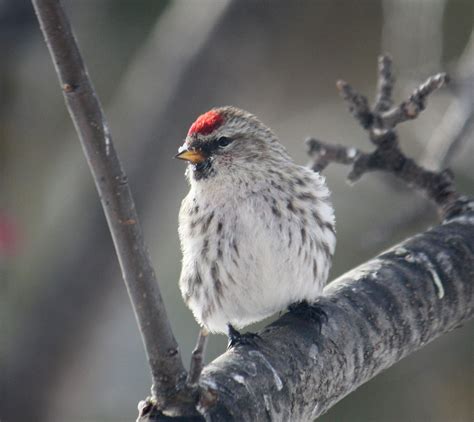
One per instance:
(206,123)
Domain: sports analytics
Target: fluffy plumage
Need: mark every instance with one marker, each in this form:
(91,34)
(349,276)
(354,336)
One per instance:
(256,230)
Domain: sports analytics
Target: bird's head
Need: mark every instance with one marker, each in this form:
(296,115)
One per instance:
(227,142)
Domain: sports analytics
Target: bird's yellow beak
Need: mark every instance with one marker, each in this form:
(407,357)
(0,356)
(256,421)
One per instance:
(194,156)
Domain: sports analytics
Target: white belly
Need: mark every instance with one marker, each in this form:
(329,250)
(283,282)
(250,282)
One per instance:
(253,259)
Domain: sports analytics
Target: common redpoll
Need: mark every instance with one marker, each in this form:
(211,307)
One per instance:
(256,230)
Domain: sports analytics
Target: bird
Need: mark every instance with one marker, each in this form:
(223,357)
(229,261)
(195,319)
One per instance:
(257,230)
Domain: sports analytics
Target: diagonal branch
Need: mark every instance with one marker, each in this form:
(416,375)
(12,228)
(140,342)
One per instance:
(173,47)
(458,121)
(167,370)
(377,314)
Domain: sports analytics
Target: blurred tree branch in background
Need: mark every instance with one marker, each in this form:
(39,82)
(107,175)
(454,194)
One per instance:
(457,124)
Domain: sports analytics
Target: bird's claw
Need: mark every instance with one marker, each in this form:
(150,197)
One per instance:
(313,312)
(239,339)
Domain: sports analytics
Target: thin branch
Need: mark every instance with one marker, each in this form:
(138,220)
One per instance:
(168,373)
(197,360)
(411,108)
(358,104)
(447,140)
(386,80)
(323,154)
(380,122)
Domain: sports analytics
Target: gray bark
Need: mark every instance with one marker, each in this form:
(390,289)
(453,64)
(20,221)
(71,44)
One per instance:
(378,313)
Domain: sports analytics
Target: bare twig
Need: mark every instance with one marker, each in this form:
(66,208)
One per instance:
(383,100)
(325,153)
(380,121)
(447,140)
(197,360)
(411,108)
(168,373)
(358,104)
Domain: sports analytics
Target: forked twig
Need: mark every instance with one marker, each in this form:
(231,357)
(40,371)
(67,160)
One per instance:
(380,121)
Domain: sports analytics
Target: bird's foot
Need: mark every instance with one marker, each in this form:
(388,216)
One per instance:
(312,312)
(238,339)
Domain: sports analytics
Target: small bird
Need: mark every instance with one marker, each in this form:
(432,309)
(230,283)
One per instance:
(256,230)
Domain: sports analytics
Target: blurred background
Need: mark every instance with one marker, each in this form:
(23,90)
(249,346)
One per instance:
(70,348)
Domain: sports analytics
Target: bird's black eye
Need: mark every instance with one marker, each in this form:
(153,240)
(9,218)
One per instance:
(223,141)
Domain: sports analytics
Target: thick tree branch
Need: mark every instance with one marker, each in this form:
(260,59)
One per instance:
(168,373)
(377,314)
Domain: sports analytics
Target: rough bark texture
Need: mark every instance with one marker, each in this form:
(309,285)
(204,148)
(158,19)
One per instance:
(378,313)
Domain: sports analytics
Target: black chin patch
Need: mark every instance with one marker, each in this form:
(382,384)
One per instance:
(202,170)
